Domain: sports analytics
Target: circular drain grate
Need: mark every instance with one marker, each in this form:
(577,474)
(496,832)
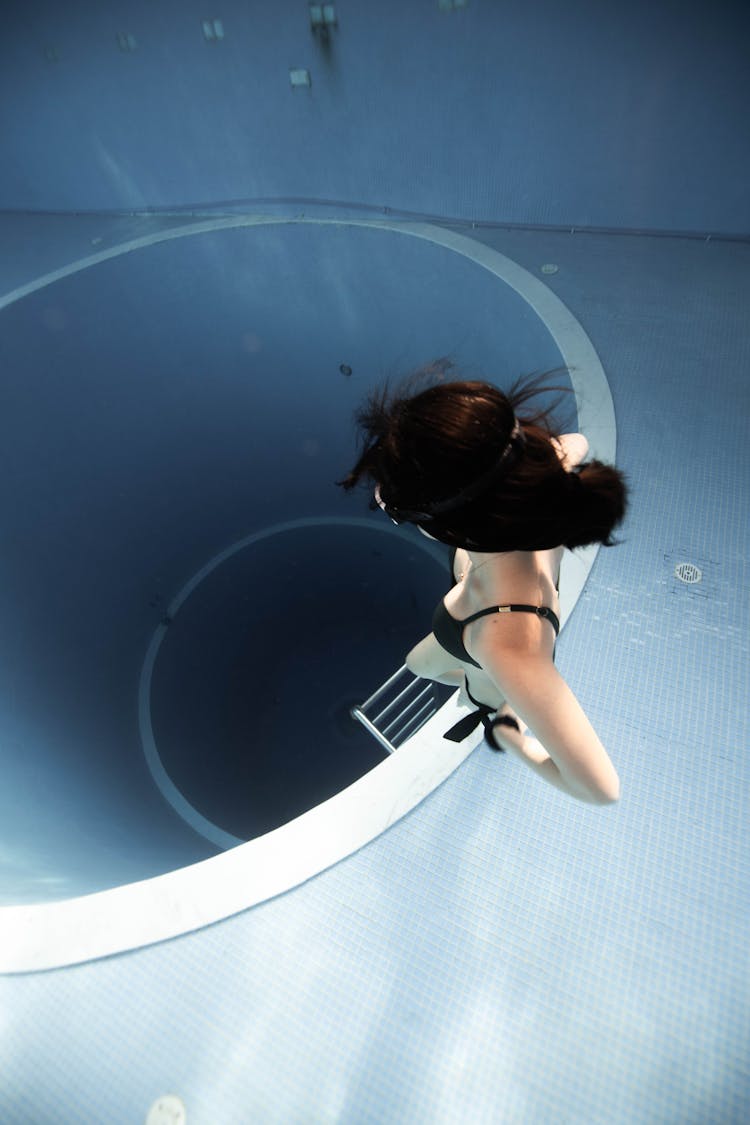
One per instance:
(688,573)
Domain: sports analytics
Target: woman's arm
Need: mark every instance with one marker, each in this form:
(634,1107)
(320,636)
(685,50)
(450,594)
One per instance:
(530,750)
(568,753)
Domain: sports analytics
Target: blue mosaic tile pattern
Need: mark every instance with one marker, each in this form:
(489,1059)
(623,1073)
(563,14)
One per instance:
(503,954)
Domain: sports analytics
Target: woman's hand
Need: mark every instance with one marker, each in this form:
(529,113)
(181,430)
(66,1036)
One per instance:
(572,449)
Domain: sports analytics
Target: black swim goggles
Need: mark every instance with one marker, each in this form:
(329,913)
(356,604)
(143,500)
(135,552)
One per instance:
(399,515)
(508,457)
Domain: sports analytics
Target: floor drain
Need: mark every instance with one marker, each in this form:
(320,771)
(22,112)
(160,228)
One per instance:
(688,573)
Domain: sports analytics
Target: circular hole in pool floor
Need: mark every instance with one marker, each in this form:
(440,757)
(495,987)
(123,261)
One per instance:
(258,671)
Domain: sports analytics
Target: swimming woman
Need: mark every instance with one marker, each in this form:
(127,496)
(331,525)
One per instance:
(467,465)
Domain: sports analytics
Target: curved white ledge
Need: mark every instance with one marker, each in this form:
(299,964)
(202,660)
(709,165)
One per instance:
(46,936)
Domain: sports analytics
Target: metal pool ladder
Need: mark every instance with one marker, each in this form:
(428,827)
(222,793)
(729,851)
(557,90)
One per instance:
(399,708)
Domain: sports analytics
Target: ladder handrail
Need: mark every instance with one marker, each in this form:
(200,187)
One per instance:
(356,713)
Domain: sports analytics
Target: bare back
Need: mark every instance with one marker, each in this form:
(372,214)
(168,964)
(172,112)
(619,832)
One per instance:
(528,577)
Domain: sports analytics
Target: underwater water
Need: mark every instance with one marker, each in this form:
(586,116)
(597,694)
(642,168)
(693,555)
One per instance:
(205,266)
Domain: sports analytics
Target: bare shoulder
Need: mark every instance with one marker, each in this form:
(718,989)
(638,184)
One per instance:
(572,449)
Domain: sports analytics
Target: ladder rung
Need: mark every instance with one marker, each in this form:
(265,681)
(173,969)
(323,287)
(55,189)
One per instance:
(400,696)
(402,734)
(405,712)
(384,687)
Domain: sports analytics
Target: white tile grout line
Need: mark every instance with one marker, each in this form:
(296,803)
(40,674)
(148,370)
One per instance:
(53,935)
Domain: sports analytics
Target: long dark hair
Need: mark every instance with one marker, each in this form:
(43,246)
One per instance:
(476,468)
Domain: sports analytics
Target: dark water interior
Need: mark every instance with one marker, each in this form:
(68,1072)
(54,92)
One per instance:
(258,671)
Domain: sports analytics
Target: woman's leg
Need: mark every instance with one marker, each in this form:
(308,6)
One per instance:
(429,660)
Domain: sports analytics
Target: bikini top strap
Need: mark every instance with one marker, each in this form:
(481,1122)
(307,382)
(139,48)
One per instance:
(540,610)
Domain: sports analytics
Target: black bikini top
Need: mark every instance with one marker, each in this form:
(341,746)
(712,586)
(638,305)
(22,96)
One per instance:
(449,632)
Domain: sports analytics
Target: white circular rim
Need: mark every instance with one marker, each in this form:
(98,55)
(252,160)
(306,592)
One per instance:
(53,935)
